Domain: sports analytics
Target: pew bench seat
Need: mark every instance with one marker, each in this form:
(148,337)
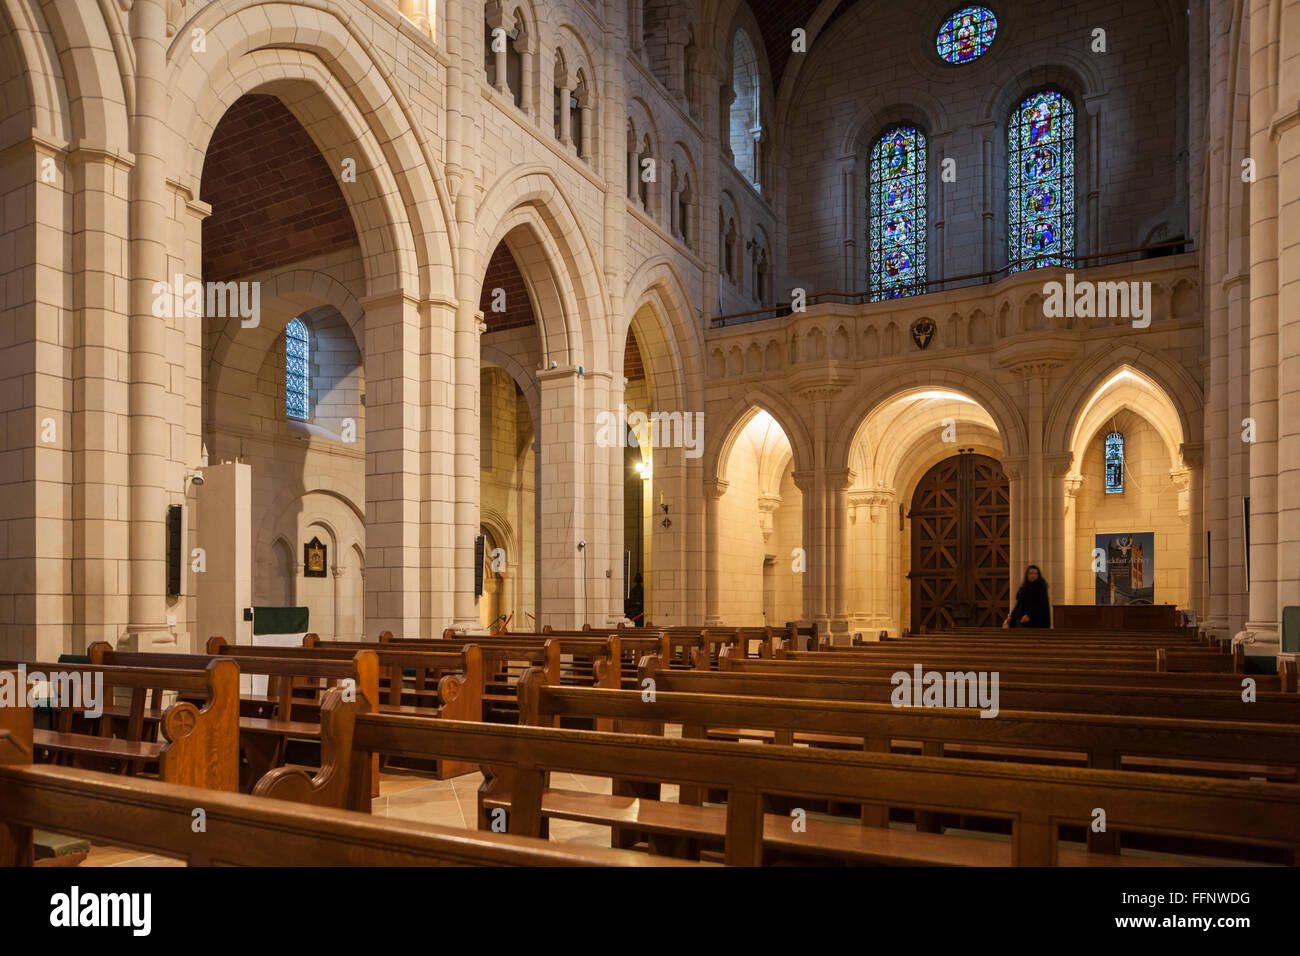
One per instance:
(1065,758)
(844,842)
(115,748)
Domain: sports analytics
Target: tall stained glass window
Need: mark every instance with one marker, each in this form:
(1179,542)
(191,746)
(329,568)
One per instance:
(966,34)
(1040,201)
(1115,463)
(896,238)
(297,374)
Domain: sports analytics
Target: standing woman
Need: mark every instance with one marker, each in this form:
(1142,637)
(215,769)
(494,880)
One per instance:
(1033,607)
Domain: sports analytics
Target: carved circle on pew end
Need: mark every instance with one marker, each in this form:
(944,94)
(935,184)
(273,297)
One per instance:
(449,688)
(180,720)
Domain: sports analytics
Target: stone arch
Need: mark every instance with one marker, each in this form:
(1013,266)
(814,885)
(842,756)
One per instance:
(559,264)
(657,282)
(404,220)
(1000,406)
(719,443)
(34,92)
(1173,380)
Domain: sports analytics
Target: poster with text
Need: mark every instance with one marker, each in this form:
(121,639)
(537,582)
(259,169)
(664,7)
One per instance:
(1129,574)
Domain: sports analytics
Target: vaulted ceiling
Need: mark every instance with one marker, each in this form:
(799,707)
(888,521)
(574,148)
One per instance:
(778,19)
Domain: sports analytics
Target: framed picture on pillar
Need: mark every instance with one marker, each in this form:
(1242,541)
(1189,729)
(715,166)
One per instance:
(314,559)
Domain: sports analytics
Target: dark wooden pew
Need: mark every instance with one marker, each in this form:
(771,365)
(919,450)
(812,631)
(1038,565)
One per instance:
(240,830)
(190,743)
(1033,801)
(1241,750)
(445,684)
(1269,706)
(263,732)
(1096,673)
(1158,659)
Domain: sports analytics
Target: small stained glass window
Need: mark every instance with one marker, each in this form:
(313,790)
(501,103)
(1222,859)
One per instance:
(1040,199)
(897,237)
(1115,463)
(966,34)
(297,370)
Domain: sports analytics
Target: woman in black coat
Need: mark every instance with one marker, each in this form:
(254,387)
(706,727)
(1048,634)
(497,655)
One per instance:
(1033,607)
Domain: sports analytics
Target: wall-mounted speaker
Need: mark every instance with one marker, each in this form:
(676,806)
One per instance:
(175,516)
(480,543)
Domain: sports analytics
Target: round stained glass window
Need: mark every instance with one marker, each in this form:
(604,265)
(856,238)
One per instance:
(966,34)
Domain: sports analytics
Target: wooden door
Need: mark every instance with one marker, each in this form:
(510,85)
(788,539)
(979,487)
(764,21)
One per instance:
(961,544)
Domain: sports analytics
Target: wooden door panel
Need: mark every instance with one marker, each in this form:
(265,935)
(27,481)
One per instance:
(961,544)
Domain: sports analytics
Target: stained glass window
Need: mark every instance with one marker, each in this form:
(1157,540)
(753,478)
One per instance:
(896,238)
(1115,463)
(297,374)
(1040,201)
(966,34)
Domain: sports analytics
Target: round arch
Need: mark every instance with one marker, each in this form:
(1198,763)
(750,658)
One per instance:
(985,393)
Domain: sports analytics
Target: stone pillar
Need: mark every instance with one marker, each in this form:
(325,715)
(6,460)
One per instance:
(588,127)
(1286,134)
(1069,591)
(393,466)
(727,97)
(1192,462)
(603,468)
(417,11)
(496,20)
(714,489)
(565,566)
(147,473)
(1261,629)
(814,608)
(1056,470)
(565,83)
(527,49)
(838,484)
(1018,490)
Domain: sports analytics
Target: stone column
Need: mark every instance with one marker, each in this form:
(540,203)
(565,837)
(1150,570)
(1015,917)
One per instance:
(1056,470)
(565,83)
(588,129)
(496,20)
(1069,591)
(714,489)
(562,490)
(1286,134)
(838,484)
(813,606)
(1261,628)
(1192,462)
(393,464)
(527,49)
(417,11)
(727,97)
(1017,487)
(147,473)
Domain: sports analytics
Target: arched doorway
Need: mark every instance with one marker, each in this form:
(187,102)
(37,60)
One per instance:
(961,544)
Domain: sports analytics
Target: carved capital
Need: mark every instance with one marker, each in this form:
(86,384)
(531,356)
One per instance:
(715,487)
(1192,454)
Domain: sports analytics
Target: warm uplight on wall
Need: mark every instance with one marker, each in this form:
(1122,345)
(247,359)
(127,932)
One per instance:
(643,469)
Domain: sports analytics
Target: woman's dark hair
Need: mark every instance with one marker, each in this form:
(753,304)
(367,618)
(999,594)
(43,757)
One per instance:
(1033,567)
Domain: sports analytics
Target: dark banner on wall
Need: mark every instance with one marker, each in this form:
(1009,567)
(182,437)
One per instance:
(1129,573)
